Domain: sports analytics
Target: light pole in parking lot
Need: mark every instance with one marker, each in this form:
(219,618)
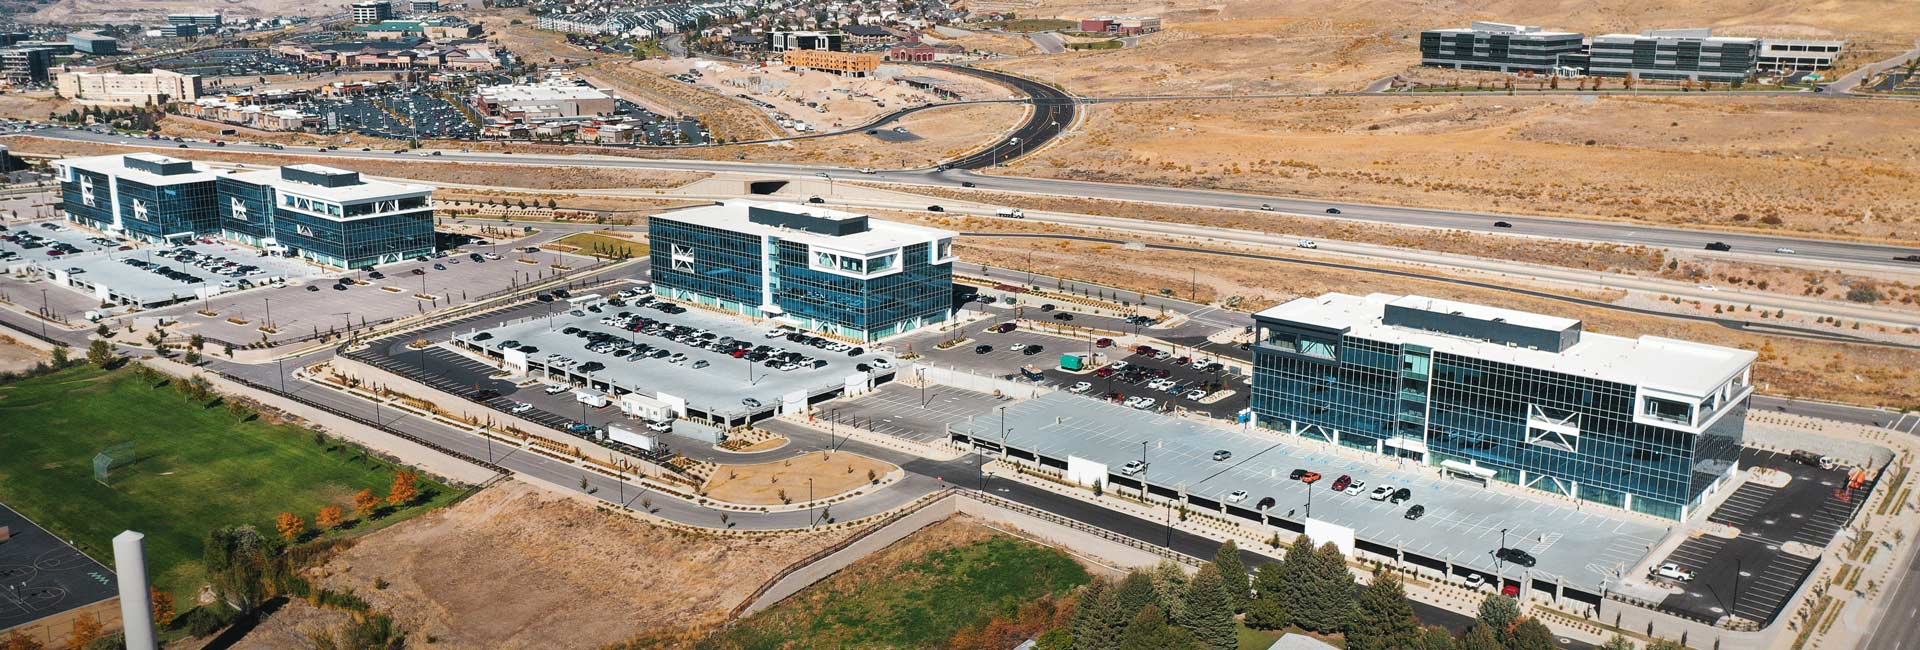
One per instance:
(829,182)
(269,302)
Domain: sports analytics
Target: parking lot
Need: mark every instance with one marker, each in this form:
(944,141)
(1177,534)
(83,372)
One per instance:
(1141,377)
(679,355)
(317,304)
(41,241)
(1464,522)
(1750,576)
(912,413)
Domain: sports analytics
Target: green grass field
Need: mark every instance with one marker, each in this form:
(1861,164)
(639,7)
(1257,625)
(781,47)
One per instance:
(197,468)
(915,599)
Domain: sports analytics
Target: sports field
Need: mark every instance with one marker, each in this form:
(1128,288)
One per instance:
(196,467)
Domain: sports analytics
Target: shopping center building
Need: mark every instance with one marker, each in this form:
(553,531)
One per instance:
(1647,424)
(827,271)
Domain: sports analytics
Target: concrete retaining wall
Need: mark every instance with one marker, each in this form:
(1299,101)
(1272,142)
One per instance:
(979,383)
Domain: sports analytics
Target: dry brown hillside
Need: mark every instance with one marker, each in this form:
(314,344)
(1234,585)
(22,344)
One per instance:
(1275,46)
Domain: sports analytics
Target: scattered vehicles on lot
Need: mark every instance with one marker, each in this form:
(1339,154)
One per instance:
(554,389)
(520,407)
(1222,454)
(1236,496)
(1381,493)
(1400,495)
(1310,478)
(1474,581)
(1133,467)
(1812,459)
(1416,512)
(1265,502)
(1515,556)
(982,349)
(1341,483)
(1358,488)
(1673,571)
(1081,387)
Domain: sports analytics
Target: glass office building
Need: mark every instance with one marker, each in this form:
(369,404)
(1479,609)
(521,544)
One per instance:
(1497,47)
(1674,54)
(822,270)
(327,215)
(146,196)
(1651,424)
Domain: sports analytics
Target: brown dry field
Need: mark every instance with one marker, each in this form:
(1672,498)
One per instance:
(1725,162)
(518,567)
(1260,46)
(761,483)
(1852,374)
(148,11)
(35,105)
(404,166)
(997,43)
(16,356)
(290,628)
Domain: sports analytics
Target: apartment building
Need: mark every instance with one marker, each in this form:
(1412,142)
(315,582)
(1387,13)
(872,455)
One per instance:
(1647,424)
(822,270)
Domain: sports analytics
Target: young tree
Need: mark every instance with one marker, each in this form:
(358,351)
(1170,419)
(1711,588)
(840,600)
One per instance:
(1531,634)
(19,640)
(291,526)
(162,606)
(403,491)
(99,353)
(1384,619)
(1208,612)
(1482,637)
(1618,642)
(329,517)
(86,630)
(1500,613)
(1233,574)
(60,359)
(235,557)
(365,502)
(1666,644)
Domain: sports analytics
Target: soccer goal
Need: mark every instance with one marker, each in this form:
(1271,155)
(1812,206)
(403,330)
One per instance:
(110,458)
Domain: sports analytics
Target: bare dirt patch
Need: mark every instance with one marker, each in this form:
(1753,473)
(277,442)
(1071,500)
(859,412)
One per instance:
(1763,164)
(829,473)
(16,356)
(518,567)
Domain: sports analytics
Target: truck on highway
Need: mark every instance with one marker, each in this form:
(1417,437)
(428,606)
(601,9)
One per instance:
(1010,213)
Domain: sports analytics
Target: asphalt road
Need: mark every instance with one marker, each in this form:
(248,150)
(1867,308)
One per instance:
(1902,605)
(1053,114)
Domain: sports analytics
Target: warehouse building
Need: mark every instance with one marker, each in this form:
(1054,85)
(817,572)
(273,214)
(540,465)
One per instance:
(827,271)
(327,215)
(1651,425)
(535,102)
(1497,47)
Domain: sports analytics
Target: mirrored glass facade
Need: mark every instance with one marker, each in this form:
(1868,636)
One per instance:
(1554,431)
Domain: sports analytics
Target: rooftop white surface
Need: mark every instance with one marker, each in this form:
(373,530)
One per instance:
(116,165)
(1668,364)
(365,190)
(880,236)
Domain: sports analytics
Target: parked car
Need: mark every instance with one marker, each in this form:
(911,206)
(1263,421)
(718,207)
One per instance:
(1340,484)
(1310,478)
(1081,387)
(521,407)
(1358,488)
(1133,467)
(1402,494)
(1265,502)
(1515,556)
(1296,474)
(1381,493)
(1236,496)
(1416,512)
(982,349)
(1673,571)
(1222,454)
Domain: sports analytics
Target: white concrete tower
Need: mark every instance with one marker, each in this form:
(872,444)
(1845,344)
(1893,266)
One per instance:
(136,603)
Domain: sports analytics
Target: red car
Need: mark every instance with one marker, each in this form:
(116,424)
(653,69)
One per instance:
(739,352)
(1510,590)
(1103,372)
(1103,343)
(1143,349)
(1341,483)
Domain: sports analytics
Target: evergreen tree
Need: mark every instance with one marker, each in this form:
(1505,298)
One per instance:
(1209,611)
(1170,588)
(1383,619)
(1269,611)
(1090,629)
(1438,638)
(1329,601)
(1482,637)
(1233,574)
(1149,631)
(1134,592)
(1500,613)
(1531,634)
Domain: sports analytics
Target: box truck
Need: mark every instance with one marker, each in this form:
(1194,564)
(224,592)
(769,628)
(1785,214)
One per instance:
(644,441)
(591,397)
(1010,213)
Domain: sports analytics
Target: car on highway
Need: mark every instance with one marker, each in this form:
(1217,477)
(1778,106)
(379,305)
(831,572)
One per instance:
(1267,207)
(1333,210)
(1719,246)
(1515,556)
(1062,316)
(1236,496)
(967,184)
(1502,224)
(1783,251)
(935,208)
(1907,258)
(1308,243)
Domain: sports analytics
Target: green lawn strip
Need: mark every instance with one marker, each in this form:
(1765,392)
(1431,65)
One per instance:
(919,603)
(197,468)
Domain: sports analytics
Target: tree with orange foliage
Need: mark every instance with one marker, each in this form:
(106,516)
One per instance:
(403,491)
(329,517)
(20,641)
(291,526)
(162,607)
(86,630)
(364,502)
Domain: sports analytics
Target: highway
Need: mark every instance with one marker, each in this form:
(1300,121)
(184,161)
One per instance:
(1053,114)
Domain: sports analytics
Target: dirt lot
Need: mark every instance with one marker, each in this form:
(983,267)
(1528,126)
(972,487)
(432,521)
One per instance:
(411,167)
(35,105)
(518,567)
(848,101)
(1853,374)
(763,483)
(147,11)
(16,356)
(1749,163)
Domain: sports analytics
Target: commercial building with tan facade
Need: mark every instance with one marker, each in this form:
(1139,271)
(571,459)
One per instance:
(857,64)
(157,87)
